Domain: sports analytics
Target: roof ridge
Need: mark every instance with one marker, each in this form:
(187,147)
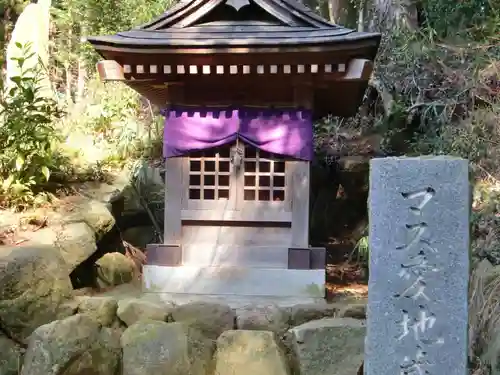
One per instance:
(187,13)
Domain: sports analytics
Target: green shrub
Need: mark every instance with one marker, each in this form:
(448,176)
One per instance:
(474,138)
(115,120)
(28,137)
(361,251)
(478,18)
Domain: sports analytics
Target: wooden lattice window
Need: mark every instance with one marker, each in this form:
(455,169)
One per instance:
(263,176)
(210,174)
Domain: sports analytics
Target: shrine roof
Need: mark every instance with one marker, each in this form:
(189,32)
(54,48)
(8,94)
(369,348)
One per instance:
(235,23)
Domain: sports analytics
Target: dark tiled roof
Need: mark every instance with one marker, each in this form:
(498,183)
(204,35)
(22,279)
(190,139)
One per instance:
(233,23)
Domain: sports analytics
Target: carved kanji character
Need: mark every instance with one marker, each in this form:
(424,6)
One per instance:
(417,366)
(415,290)
(416,232)
(418,326)
(426,194)
(417,266)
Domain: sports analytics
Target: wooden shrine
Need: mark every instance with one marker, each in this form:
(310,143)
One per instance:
(240,84)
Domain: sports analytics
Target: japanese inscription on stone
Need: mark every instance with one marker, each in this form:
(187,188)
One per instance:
(419,237)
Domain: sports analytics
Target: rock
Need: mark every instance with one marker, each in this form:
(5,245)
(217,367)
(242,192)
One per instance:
(34,284)
(356,311)
(249,353)
(33,28)
(81,209)
(76,242)
(102,309)
(68,309)
(354,163)
(131,311)
(10,356)
(160,348)
(114,269)
(268,318)
(210,318)
(303,313)
(75,228)
(329,346)
(97,216)
(140,236)
(77,345)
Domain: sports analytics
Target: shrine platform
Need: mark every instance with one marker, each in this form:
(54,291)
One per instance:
(234,283)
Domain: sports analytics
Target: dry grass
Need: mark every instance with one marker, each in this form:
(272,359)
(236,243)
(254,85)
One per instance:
(484,319)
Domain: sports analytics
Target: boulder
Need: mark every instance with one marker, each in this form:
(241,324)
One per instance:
(249,353)
(102,309)
(210,318)
(75,228)
(34,285)
(33,28)
(81,209)
(329,346)
(267,318)
(10,356)
(131,311)
(97,216)
(76,242)
(114,269)
(355,310)
(303,313)
(68,308)
(77,345)
(160,348)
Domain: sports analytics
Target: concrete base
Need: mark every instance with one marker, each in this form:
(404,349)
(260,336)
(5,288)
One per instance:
(234,281)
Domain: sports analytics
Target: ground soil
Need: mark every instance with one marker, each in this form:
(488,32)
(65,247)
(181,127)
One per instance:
(345,274)
(344,277)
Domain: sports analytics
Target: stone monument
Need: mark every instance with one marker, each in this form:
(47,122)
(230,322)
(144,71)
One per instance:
(32,27)
(419,266)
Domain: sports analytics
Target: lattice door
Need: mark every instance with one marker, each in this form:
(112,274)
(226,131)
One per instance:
(264,179)
(210,181)
(215,182)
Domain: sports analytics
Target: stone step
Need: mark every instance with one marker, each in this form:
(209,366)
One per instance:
(237,281)
(210,255)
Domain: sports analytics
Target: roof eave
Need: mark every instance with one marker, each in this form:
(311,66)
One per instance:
(118,44)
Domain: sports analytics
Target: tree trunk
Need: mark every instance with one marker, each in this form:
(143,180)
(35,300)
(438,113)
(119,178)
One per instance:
(82,74)
(386,14)
(361,16)
(67,89)
(338,11)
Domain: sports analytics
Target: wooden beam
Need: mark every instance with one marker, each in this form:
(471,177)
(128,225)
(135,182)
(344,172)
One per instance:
(359,69)
(110,70)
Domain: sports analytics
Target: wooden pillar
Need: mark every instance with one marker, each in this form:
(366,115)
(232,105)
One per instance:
(169,253)
(174,186)
(173,197)
(300,204)
(301,181)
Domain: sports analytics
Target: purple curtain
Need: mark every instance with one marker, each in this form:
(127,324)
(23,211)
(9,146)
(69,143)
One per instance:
(285,132)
